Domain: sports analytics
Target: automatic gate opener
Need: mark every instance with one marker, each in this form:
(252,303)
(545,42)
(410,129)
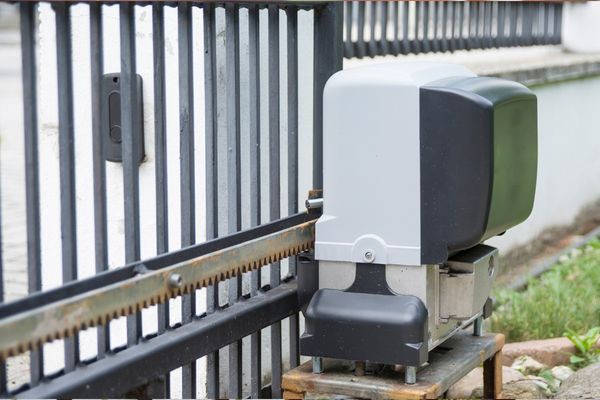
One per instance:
(422,162)
(28,323)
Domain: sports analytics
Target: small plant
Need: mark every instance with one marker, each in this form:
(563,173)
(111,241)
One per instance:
(586,346)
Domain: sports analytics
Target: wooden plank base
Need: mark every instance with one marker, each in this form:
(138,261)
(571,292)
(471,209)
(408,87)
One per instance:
(448,363)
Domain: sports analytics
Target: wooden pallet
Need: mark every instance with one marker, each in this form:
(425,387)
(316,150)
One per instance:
(448,363)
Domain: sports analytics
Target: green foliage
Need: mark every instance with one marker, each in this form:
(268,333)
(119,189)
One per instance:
(565,298)
(586,347)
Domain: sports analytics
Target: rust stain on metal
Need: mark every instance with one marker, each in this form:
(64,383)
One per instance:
(31,329)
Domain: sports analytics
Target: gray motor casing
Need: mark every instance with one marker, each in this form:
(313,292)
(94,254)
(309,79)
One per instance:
(422,162)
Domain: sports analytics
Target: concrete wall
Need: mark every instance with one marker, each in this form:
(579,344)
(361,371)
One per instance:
(569,162)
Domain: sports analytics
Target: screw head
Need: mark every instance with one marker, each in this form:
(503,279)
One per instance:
(175,281)
(369,256)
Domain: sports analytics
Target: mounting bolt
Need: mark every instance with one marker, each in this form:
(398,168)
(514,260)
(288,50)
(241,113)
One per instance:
(175,281)
(317,365)
(478,326)
(369,256)
(410,375)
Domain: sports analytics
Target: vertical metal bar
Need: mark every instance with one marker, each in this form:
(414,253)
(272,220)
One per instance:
(426,48)
(452,39)
(514,17)
(444,9)
(461,25)
(348,46)
(328,57)
(129,128)
(274,183)
(558,10)
(373,45)
(99,169)
(501,35)
(527,25)
(255,181)
(67,162)
(434,41)
(292,169)
(405,24)
(160,144)
(396,28)
(186,165)
(487,24)
(418,23)
(479,27)
(232,62)
(546,33)
(384,44)
(360,40)
(160,155)
(32,186)
(212,226)
(471,25)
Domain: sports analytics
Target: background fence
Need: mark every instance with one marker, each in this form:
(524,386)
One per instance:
(391,28)
(234,151)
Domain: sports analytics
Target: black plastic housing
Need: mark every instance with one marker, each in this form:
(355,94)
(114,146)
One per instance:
(478,139)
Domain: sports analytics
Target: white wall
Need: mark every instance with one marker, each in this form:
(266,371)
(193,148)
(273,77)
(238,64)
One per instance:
(569,162)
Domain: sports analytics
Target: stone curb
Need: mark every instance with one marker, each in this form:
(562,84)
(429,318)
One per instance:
(551,352)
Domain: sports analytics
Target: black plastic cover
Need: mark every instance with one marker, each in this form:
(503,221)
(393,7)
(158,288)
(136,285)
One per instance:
(478,139)
(377,328)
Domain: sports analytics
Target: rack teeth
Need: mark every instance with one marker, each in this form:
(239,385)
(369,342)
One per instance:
(65,332)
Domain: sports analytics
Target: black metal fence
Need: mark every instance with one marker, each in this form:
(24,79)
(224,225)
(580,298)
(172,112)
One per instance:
(242,167)
(376,28)
(236,194)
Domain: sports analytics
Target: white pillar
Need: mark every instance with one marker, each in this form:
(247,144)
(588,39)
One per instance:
(581,27)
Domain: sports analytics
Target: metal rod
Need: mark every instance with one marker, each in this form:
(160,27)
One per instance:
(32,185)
(328,58)
(129,129)
(372,45)
(396,28)
(186,157)
(478,326)
(232,62)
(292,167)
(384,47)
(255,179)
(410,375)
(99,169)
(211,155)
(317,365)
(67,162)
(405,25)
(361,50)
(348,45)
(160,156)
(274,184)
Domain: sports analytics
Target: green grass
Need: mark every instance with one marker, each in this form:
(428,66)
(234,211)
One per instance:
(565,298)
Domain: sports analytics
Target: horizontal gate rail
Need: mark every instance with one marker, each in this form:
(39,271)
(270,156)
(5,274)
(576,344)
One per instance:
(156,356)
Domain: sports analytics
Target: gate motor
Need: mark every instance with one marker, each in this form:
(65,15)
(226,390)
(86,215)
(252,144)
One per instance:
(422,162)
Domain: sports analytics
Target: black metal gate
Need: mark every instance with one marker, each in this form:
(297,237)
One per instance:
(247,181)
